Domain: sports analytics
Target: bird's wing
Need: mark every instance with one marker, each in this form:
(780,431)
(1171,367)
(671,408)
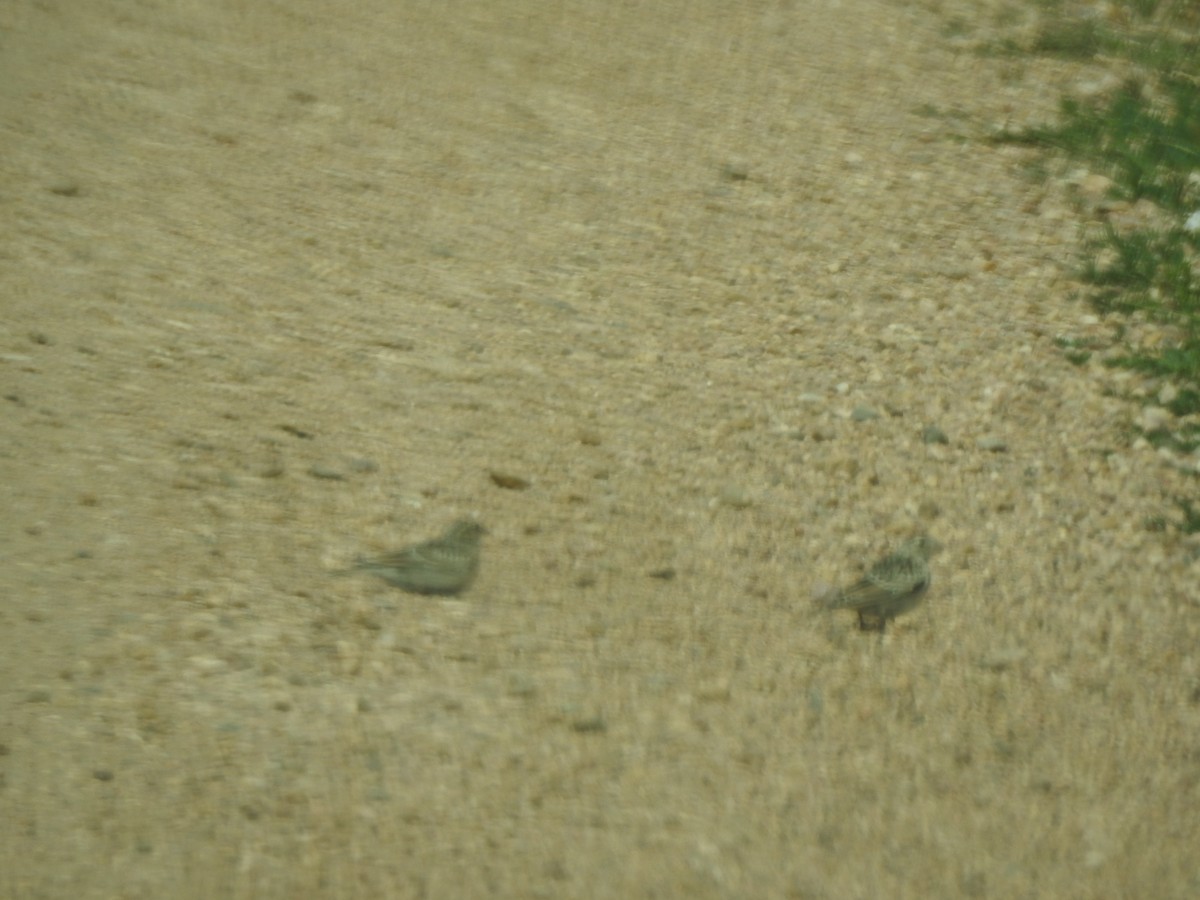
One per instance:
(888,579)
(398,559)
(861,595)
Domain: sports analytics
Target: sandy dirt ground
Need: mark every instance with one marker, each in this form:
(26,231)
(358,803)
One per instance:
(664,294)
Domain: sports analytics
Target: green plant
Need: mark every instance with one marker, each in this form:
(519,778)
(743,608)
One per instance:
(1145,136)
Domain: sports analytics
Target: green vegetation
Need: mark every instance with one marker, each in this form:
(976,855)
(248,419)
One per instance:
(1145,137)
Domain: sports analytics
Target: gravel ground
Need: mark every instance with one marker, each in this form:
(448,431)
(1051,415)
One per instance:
(668,296)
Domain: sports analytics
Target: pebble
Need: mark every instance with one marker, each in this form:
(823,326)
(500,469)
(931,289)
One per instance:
(590,725)
(509,481)
(863,414)
(329,473)
(992,444)
(1154,418)
(735,170)
(735,497)
(821,433)
(928,509)
(521,684)
(931,434)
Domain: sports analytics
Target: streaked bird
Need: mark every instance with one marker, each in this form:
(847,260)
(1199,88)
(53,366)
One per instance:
(892,586)
(443,565)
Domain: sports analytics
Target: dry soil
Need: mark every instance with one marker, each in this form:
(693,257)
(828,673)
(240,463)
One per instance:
(666,295)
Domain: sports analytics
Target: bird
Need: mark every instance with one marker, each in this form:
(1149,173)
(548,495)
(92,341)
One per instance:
(892,586)
(442,565)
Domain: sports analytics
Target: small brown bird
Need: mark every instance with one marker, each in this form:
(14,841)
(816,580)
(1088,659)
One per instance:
(892,586)
(443,565)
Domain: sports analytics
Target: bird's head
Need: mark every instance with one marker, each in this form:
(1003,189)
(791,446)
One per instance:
(922,545)
(466,531)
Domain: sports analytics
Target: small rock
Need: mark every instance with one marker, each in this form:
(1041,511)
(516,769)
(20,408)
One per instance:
(403,345)
(735,497)
(590,725)
(326,472)
(521,684)
(863,414)
(508,481)
(1154,418)
(271,468)
(1095,186)
(363,466)
(992,444)
(931,434)
(735,170)
(954,273)
(667,574)
(821,433)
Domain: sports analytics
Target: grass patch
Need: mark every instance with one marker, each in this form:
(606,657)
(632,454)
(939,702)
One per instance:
(1191,517)
(1149,146)
(1145,136)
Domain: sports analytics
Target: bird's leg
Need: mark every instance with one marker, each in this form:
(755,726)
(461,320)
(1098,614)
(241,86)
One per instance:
(871,622)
